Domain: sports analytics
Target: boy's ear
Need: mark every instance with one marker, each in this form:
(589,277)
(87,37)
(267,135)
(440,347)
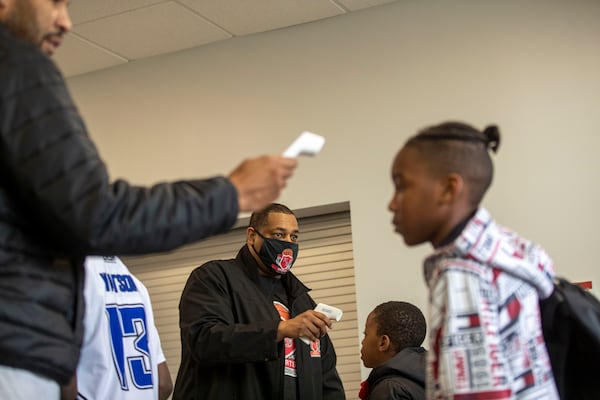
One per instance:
(453,186)
(384,343)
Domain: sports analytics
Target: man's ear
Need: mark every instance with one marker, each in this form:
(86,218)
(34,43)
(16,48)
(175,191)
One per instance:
(250,233)
(453,187)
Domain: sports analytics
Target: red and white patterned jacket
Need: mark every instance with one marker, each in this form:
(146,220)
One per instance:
(485,332)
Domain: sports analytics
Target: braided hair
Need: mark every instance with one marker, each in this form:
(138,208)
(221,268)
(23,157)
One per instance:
(455,147)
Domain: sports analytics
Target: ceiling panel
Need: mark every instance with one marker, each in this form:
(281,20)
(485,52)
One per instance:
(78,56)
(89,10)
(242,17)
(354,5)
(162,28)
(111,32)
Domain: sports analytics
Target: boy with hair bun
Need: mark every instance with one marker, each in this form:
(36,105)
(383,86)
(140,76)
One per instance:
(485,281)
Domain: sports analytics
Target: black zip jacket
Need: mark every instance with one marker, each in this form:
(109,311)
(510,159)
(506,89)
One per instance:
(402,377)
(228,335)
(57,205)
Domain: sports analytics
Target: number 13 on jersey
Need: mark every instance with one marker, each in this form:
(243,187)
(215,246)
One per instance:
(129,339)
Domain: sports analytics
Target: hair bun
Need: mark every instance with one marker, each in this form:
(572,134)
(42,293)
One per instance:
(492,137)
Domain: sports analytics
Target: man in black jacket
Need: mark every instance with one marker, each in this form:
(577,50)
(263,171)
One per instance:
(57,205)
(241,319)
(394,332)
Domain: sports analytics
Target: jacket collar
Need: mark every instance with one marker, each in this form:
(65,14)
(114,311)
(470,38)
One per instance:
(409,363)
(497,248)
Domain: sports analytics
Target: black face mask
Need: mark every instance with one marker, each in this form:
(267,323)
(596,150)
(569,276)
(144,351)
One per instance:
(277,254)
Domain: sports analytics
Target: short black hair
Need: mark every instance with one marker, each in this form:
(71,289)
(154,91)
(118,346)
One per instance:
(402,322)
(455,147)
(260,218)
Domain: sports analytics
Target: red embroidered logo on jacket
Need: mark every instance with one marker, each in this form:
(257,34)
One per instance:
(315,348)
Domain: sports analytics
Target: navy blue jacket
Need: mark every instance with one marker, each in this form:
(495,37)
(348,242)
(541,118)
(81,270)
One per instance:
(57,205)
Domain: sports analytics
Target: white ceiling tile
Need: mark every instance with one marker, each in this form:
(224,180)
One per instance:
(108,32)
(77,56)
(354,5)
(145,32)
(242,17)
(89,10)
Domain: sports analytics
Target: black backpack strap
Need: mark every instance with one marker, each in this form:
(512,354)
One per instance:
(557,334)
(571,327)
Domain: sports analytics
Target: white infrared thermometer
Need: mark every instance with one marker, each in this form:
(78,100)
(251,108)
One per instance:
(331,312)
(308,144)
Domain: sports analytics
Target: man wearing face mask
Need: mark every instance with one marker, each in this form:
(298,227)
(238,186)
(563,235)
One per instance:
(241,319)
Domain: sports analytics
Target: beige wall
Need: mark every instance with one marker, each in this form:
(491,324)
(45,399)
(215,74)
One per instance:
(366,81)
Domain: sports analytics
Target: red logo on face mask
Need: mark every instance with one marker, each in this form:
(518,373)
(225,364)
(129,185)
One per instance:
(285,260)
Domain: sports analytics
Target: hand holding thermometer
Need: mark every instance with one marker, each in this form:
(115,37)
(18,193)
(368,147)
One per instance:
(330,311)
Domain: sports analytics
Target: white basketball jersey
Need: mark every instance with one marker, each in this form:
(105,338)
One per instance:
(121,348)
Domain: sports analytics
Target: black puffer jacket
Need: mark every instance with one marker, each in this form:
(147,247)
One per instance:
(57,205)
